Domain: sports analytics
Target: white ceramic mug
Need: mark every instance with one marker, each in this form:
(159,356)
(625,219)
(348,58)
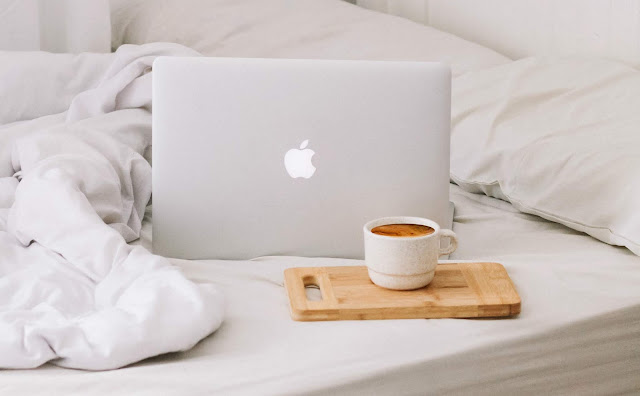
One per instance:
(404,263)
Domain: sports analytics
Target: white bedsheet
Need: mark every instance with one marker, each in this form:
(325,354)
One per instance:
(73,190)
(579,330)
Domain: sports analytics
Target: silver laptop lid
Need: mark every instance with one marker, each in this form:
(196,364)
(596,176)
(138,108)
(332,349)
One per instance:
(255,157)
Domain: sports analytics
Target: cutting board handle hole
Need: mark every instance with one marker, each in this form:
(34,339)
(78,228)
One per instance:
(311,288)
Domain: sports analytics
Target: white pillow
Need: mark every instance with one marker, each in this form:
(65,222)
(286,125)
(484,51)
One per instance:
(559,138)
(293,29)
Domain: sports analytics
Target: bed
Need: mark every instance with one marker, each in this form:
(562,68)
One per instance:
(577,334)
(579,329)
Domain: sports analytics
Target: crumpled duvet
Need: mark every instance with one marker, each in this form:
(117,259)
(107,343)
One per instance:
(74,184)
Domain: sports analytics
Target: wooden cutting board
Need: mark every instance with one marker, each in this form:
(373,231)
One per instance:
(458,290)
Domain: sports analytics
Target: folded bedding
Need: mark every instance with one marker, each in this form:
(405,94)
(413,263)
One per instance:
(73,190)
(559,138)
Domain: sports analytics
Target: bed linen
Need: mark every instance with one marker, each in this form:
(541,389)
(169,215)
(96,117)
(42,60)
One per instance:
(557,137)
(578,333)
(73,190)
(326,29)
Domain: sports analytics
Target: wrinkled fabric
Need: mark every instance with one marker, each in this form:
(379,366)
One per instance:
(556,137)
(74,185)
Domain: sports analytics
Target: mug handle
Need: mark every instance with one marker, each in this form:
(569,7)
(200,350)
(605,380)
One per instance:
(453,242)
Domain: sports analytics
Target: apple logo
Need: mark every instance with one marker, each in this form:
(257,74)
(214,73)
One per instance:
(298,162)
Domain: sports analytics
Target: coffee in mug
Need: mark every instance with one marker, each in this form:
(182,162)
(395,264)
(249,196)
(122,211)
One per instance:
(401,253)
(403,230)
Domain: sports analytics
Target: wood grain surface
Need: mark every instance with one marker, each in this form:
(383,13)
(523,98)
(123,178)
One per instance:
(458,290)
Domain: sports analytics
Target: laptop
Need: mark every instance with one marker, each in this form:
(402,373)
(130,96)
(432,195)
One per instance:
(258,157)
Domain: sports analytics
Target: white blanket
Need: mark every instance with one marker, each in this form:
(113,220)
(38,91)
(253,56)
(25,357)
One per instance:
(73,189)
